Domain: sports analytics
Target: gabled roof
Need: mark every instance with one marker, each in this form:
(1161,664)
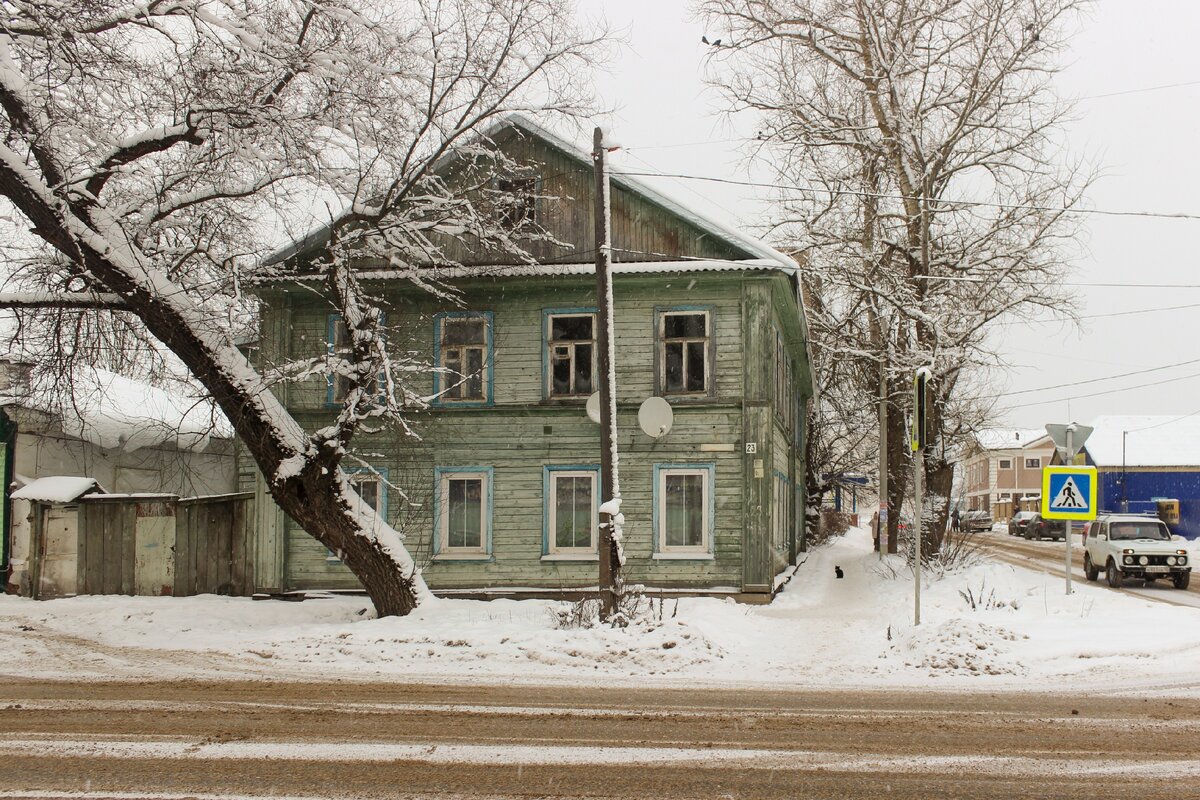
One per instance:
(755,249)
(1147,440)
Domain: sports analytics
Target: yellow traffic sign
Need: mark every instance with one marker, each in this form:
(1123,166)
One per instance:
(1069,493)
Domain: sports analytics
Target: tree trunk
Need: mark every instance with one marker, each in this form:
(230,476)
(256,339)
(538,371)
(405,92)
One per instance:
(318,504)
(939,483)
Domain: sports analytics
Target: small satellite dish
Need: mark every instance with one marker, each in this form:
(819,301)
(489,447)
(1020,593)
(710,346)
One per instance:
(593,407)
(655,417)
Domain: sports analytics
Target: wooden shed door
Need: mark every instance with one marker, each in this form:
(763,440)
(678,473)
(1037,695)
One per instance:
(60,551)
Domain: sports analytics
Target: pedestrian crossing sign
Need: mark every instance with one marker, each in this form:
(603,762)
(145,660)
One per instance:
(1069,493)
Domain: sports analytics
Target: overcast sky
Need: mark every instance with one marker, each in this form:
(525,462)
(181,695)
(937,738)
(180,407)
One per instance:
(1145,140)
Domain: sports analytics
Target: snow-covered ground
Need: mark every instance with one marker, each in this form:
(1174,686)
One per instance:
(1024,633)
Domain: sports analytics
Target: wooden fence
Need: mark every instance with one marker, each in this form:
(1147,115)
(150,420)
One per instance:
(165,545)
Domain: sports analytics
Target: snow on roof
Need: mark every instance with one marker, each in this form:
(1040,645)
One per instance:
(544,270)
(113,411)
(1149,440)
(1008,438)
(57,489)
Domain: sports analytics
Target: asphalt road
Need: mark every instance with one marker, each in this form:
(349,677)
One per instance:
(405,741)
(1049,556)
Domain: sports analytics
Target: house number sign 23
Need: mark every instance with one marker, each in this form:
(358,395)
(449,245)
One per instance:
(751,447)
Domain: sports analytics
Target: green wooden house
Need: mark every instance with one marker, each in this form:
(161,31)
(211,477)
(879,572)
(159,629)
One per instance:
(498,495)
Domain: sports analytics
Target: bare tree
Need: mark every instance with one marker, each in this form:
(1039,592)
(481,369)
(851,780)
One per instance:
(156,150)
(920,136)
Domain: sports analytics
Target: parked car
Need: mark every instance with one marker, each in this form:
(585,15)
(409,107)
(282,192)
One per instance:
(977,521)
(1038,527)
(1132,546)
(1016,525)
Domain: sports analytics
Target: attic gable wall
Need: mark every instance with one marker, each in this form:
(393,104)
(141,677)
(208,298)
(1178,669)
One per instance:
(641,229)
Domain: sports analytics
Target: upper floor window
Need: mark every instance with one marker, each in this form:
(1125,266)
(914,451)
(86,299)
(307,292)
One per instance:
(1005,463)
(518,202)
(1033,463)
(685,352)
(571,352)
(784,407)
(464,357)
(340,350)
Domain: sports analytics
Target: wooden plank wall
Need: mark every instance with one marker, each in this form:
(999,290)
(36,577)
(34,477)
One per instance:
(214,546)
(212,536)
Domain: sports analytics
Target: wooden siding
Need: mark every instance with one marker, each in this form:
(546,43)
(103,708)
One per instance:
(522,432)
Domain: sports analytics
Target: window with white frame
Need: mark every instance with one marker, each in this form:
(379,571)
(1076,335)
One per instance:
(572,508)
(463,356)
(571,351)
(684,513)
(368,484)
(1033,463)
(685,344)
(463,512)
(1005,463)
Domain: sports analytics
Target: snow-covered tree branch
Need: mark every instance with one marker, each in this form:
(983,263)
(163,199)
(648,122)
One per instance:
(159,152)
(893,118)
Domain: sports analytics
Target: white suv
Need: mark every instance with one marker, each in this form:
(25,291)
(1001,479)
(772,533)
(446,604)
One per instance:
(1132,546)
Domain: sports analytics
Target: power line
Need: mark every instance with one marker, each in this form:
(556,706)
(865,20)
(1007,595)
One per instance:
(886,196)
(1009,323)
(1097,380)
(1139,91)
(1108,391)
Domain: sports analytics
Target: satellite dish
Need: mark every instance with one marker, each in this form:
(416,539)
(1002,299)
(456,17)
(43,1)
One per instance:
(655,417)
(593,407)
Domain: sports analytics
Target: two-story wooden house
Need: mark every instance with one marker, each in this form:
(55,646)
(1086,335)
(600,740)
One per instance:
(498,493)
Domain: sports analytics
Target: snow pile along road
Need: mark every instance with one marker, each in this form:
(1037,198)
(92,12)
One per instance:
(990,626)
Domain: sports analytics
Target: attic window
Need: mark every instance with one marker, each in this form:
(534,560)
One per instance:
(517,203)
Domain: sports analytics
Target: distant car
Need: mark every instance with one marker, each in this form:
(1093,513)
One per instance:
(1016,525)
(1131,546)
(977,521)
(1038,527)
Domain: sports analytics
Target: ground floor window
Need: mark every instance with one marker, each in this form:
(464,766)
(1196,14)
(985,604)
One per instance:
(371,487)
(464,509)
(683,510)
(571,498)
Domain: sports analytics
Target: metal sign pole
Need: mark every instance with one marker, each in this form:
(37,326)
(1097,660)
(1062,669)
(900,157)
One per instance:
(917,523)
(1070,524)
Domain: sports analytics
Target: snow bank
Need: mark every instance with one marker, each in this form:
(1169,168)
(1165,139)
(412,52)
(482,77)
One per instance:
(989,627)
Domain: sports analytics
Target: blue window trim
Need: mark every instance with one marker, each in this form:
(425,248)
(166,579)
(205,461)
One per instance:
(436,544)
(660,387)
(382,511)
(330,321)
(437,359)
(711,469)
(548,471)
(546,314)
